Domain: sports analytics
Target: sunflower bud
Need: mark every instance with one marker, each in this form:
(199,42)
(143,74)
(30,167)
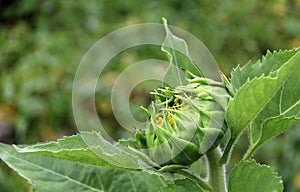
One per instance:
(185,122)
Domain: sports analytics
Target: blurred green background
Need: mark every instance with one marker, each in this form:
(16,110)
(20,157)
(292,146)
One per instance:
(43,42)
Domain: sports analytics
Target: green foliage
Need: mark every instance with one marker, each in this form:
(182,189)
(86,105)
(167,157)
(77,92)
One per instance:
(87,162)
(181,186)
(250,176)
(9,179)
(178,54)
(270,62)
(49,174)
(271,95)
(41,44)
(78,149)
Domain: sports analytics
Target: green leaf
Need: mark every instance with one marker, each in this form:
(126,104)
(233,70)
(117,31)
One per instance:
(91,148)
(269,63)
(274,126)
(49,174)
(249,176)
(100,153)
(281,113)
(265,97)
(269,129)
(178,54)
(181,185)
(254,95)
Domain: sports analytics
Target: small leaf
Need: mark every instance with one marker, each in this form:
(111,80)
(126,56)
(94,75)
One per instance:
(274,126)
(269,129)
(178,54)
(249,176)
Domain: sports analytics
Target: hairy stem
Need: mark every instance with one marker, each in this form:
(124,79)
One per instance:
(216,171)
(227,152)
(249,152)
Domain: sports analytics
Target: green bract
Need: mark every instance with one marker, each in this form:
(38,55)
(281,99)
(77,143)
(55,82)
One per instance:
(184,122)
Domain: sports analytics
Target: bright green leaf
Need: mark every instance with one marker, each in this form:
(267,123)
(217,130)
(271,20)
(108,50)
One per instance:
(249,176)
(264,97)
(254,95)
(284,106)
(285,103)
(269,63)
(274,126)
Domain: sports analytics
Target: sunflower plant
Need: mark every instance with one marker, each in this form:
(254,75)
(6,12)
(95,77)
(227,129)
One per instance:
(190,132)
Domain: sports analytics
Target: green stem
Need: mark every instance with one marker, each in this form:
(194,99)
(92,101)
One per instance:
(227,151)
(216,171)
(249,152)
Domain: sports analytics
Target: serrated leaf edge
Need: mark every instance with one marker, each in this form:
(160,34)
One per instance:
(260,62)
(275,174)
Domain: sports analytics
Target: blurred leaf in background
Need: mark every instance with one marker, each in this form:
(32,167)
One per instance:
(42,43)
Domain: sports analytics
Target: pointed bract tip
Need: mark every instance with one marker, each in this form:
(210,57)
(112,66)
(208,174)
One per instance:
(164,21)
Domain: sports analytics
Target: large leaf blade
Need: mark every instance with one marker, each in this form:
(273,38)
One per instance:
(259,93)
(257,100)
(90,148)
(48,174)
(286,103)
(99,154)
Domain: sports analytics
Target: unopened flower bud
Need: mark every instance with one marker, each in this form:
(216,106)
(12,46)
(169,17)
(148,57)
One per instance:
(185,122)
